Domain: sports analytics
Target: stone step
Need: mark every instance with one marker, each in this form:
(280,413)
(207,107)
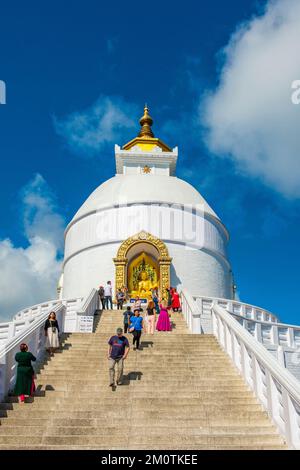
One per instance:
(107,394)
(83,423)
(155,389)
(131,378)
(151,366)
(155,375)
(173,442)
(136,447)
(180,392)
(243,419)
(100,430)
(176,412)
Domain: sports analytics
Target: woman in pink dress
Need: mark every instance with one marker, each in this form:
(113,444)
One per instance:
(163,322)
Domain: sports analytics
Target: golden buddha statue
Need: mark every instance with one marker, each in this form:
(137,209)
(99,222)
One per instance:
(144,286)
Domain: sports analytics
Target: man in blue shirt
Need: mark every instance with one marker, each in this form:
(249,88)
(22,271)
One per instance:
(135,327)
(118,350)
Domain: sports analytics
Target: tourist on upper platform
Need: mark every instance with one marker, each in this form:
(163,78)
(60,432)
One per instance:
(108,295)
(136,326)
(127,314)
(155,300)
(125,291)
(137,304)
(117,352)
(51,332)
(163,322)
(25,386)
(101,298)
(169,297)
(120,299)
(175,300)
(151,317)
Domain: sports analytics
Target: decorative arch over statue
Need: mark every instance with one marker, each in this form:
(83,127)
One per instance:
(164,260)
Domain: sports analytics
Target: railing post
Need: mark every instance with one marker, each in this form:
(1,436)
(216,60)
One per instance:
(292,431)
(257,332)
(11,330)
(273,402)
(280,356)
(274,334)
(291,338)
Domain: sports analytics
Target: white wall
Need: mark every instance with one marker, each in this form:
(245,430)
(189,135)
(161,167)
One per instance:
(201,272)
(197,244)
(89,269)
(163,221)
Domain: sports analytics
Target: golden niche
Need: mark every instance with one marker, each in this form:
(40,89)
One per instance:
(161,265)
(142,276)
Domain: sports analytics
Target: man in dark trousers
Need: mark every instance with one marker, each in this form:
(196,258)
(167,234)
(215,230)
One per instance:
(127,314)
(135,327)
(118,350)
(108,296)
(101,298)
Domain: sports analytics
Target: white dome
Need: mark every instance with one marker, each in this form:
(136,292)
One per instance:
(129,189)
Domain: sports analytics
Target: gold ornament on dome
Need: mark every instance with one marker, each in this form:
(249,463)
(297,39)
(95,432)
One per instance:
(145,139)
(146,169)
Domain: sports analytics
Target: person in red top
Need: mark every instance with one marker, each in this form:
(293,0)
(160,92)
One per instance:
(175,300)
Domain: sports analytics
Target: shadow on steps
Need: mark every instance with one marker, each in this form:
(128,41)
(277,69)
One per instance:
(133,375)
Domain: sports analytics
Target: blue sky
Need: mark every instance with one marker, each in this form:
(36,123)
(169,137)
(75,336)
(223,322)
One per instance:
(228,110)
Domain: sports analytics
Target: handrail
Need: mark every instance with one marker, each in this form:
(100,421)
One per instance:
(254,310)
(280,334)
(85,317)
(28,310)
(24,318)
(275,387)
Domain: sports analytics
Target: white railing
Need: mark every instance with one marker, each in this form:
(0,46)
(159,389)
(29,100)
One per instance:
(35,310)
(23,319)
(251,312)
(28,326)
(71,315)
(34,336)
(201,321)
(277,334)
(191,312)
(276,388)
(85,317)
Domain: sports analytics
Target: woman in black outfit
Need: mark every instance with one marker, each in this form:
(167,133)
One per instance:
(51,332)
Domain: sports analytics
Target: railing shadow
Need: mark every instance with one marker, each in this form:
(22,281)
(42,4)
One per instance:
(132,376)
(146,344)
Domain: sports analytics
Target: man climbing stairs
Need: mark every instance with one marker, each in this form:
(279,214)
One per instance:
(180,391)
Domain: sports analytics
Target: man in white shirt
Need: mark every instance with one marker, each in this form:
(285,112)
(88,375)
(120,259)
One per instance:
(108,295)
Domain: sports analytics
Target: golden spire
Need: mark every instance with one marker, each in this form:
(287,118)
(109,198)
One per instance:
(146,122)
(146,140)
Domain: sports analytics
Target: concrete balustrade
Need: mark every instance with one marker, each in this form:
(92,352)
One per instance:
(257,345)
(34,336)
(23,319)
(275,387)
(28,326)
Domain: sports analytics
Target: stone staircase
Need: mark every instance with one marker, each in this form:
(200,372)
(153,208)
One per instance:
(180,392)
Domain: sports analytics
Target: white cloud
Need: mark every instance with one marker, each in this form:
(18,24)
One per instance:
(250,116)
(107,121)
(29,275)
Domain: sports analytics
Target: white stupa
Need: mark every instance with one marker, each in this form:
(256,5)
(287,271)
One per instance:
(145,219)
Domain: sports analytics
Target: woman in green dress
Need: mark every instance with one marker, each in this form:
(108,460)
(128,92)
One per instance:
(25,373)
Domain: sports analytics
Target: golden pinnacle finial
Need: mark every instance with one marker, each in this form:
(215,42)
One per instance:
(146,122)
